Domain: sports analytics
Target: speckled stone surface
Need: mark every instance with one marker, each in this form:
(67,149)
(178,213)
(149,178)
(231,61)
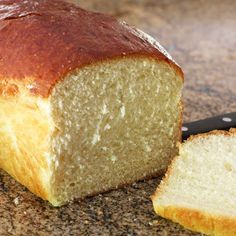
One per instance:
(201,36)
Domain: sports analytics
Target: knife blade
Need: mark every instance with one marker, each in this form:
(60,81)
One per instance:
(221,122)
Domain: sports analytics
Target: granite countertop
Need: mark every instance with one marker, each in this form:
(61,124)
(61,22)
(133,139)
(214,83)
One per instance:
(201,36)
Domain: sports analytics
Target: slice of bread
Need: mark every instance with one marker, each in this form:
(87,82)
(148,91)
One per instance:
(198,190)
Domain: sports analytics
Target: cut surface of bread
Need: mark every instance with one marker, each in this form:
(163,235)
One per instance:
(198,190)
(104,126)
(87,103)
(122,127)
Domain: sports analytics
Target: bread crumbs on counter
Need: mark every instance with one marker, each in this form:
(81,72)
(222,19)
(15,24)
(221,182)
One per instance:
(16,201)
(153,223)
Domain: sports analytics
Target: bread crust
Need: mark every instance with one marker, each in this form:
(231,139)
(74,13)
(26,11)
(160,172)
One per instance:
(194,219)
(25,131)
(199,221)
(41,41)
(231,132)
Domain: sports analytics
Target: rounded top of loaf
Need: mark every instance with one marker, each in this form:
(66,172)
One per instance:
(43,40)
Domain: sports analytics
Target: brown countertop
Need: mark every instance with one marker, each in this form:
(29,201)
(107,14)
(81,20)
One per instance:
(201,36)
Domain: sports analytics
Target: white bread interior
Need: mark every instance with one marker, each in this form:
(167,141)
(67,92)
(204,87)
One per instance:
(199,190)
(103,126)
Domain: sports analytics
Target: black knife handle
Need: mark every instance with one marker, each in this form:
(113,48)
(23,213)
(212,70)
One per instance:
(222,122)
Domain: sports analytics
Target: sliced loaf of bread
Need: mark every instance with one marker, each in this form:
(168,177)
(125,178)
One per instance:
(87,103)
(198,190)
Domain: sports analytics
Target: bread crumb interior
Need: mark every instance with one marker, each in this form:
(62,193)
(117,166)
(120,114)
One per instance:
(116,122)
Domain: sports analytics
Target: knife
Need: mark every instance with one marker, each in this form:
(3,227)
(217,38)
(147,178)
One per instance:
(221,122)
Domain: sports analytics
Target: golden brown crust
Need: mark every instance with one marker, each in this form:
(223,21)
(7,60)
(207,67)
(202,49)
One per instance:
(192,218)
(45,39)
(25,130)
(199,221)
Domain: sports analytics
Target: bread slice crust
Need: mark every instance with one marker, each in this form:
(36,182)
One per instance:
(190,218)
(199,221)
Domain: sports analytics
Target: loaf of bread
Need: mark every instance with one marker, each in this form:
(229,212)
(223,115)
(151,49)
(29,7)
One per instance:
(87,103)
(198,190)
